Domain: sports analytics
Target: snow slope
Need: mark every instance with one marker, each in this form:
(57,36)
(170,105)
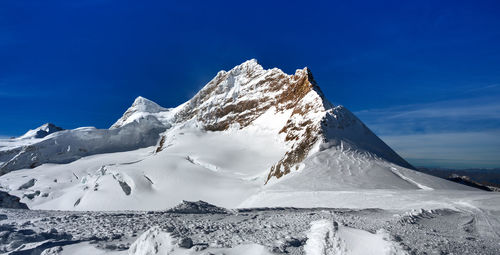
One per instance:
(250,137)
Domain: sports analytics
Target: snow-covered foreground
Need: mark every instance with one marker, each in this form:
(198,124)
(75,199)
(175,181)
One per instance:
(209,230)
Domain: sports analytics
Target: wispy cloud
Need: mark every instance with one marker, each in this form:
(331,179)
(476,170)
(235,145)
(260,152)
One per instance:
(458,149)
(446,116)
(455,110)
(452,133)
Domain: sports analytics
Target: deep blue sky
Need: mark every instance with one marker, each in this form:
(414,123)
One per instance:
(424,75)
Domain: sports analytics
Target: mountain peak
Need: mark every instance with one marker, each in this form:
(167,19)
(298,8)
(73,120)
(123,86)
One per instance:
(141,106)
(41,131)
(249,64)
(246,68)
(140,99)
(47,126)
(306,71)
(146,105)
(238,97)
(242,94)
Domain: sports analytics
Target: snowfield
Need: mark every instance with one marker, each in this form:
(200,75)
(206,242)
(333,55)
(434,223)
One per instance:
(194,166)
(251,138)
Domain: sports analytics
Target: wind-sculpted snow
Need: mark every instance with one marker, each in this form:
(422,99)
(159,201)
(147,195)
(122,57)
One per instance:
(344,130)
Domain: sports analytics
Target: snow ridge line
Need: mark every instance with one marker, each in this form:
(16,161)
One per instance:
(206,165)
(421,186)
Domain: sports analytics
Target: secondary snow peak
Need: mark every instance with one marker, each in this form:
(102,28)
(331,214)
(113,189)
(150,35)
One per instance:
(140,108)
(41,131)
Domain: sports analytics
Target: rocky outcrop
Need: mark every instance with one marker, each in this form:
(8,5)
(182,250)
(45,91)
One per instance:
(241,95)
(466,180)
(198,207)
(9,201)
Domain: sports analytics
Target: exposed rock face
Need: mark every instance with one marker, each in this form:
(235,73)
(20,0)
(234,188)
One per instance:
(28,184)
(242,94)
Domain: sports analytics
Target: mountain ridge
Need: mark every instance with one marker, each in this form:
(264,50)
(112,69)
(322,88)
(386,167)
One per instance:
(236,98)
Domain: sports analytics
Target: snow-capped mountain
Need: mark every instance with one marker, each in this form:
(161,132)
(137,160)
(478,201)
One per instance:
(238,97)
(141,108)
(41,132)
(250,137)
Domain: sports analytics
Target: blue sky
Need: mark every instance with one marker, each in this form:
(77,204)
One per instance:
(424,75)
